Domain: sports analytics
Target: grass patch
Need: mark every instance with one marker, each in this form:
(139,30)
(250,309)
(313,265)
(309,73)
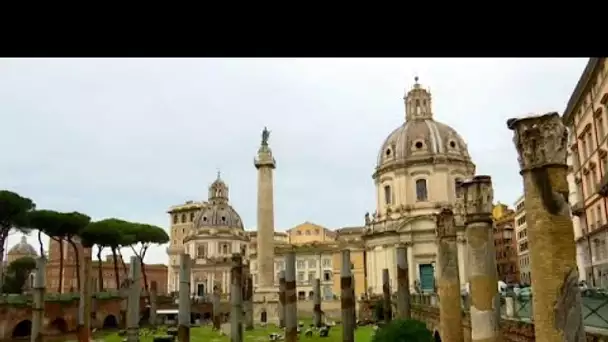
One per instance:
(362,334)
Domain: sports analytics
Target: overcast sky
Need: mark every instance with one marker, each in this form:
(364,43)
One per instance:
(128,138)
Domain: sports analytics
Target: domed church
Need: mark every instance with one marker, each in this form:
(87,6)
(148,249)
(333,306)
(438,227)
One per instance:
(214,233)
(418,167)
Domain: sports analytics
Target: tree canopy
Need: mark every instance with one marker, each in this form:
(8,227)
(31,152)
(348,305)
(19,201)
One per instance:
(104,233)
(14,211)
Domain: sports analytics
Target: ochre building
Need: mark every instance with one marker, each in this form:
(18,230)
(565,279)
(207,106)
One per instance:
(587,120)
(505,241)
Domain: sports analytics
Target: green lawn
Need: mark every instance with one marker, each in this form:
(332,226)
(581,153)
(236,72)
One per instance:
(362,334)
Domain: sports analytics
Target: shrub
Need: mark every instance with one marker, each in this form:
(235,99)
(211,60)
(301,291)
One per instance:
(403,331)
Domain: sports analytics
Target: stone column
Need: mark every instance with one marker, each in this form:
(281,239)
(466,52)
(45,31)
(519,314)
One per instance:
(84,317)
(450,312)
(265,165)
(346,298)
(249,303)
(153,302)
(483,279)
(183,329)
(541,143)
(38,304)
(215,302)
(291,308)
(317,303)
(133,300)
(386,295)
(403,284)
(282,299)
(236,299)
(411,265)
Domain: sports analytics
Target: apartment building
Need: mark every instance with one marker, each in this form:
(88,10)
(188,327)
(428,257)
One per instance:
(505,242)
(521,233)
(586,118)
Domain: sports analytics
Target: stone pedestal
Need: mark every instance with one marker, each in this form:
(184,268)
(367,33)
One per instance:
(266,300)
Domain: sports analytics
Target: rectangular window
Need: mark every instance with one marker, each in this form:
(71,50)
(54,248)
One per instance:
(312,276)
(300,264)
(312,263)
(583,150)
(326,262)
(421,190)
(327,276)
(600,128)
(301,276)
(387,194)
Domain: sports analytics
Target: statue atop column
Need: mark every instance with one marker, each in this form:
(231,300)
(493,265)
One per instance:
(265,136)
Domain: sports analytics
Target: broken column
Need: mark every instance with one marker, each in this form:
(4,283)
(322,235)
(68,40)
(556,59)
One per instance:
(38,304)
(541,143)
(183,316)
(291,309)
(346,298)
(483,277)
(236,299)
(316,311)
(84,303)
(403,284)
(386,295)
(282,299)
(450,311)
(133,300)
(153,302)
(248,303)
(215,303)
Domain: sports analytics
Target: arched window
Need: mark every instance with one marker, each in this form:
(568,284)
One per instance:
(387,194)
(421,190)
(225,249)
(175,218)
(183,218)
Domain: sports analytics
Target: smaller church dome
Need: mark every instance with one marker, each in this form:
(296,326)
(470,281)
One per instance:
(23,248)
(218,212)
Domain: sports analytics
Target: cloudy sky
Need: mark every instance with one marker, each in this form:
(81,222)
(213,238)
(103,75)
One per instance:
(128,138)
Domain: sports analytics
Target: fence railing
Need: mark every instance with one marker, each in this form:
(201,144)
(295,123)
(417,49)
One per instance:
(594,306)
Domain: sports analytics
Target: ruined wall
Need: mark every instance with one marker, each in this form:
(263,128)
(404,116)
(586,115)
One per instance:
(58,315)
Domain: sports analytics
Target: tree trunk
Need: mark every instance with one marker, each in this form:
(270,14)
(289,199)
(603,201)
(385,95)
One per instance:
(3,235)
(60,265)
(100,268)
(122,261)
(41,246)
(116,274)
(77,257)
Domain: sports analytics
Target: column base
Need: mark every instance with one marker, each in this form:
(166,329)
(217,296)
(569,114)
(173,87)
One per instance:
(266,305)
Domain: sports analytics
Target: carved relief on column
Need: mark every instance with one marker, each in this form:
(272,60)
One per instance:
(540,140)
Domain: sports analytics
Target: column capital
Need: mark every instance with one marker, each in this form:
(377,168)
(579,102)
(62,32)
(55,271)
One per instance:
(540,140)
(264,158)
(446,226)
(404,244)
(478,199)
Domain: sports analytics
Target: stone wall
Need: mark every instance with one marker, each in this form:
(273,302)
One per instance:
(512,330)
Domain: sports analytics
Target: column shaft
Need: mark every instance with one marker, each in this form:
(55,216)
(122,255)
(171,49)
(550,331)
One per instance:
(541,143)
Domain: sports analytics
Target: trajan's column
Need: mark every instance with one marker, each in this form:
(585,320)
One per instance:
(266,298)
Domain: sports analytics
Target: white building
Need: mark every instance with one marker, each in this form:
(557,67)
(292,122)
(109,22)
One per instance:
(521,231)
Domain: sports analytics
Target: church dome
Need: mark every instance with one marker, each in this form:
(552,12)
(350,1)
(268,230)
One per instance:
(23,248)
(218,212)
(421,139)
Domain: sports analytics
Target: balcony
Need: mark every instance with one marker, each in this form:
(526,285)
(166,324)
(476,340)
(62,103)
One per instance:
(578,208)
